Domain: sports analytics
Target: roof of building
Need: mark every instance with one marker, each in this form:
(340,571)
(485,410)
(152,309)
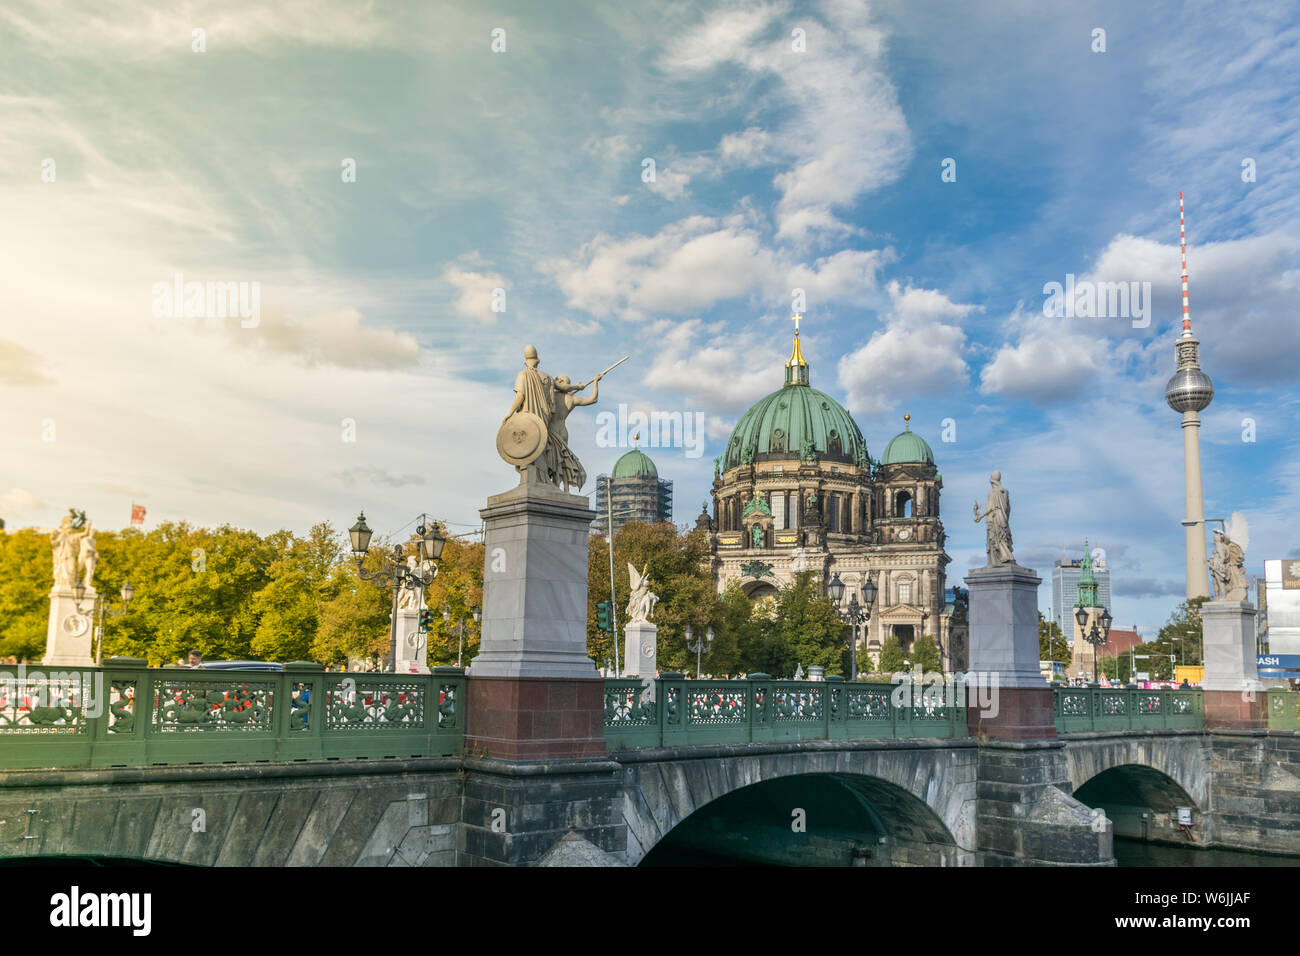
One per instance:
(907,447)
(781,423)
(1119,641)
(635,464)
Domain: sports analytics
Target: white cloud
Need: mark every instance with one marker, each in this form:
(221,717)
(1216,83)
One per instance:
(748,148)
(841,76)
(701,366)
(919,352)
(328,338)
(1044,367)
(18,500)
(20,366)
(474,292)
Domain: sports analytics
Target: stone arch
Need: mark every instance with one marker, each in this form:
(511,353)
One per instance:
(1141,781)
(920,797)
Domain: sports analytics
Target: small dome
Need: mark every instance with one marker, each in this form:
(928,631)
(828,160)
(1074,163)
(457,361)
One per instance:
(1190,390)
(635,464)
(905,447)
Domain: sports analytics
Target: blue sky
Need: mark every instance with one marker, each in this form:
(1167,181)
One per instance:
(775,168)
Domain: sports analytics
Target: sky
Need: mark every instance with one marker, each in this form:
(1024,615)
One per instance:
(416,191)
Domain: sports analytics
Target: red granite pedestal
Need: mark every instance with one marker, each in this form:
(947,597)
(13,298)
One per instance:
(535,718)
(1023,713)
(1236,709)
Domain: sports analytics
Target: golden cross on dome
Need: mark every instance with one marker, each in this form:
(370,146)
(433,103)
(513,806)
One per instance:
(796,319)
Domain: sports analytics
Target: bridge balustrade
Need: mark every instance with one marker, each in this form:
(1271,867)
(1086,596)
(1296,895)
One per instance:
(1283,710)
(126,714)
(1127,708)
(683,712)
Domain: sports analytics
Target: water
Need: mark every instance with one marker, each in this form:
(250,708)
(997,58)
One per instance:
(1129,852)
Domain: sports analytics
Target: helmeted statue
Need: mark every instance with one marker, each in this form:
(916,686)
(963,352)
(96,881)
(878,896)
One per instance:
(534,436)
(997,509)
(75,554)
(641,606)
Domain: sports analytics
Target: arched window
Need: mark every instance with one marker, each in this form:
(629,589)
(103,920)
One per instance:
(903,504)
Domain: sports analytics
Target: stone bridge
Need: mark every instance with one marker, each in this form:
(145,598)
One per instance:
(302,767)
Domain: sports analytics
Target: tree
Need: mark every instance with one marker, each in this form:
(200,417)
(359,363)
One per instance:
(1052,645)
(26,562)
(803,629)
(891,656)
(925,654)
(302,580)
(1181,637)
(459,588)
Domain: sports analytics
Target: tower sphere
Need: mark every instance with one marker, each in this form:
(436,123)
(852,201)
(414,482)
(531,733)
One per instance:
(1189,390)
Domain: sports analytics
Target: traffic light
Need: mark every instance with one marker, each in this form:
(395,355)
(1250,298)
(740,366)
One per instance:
(603,621)
(426,620)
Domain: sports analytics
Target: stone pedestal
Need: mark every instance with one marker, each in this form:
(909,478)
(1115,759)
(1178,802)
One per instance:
(1004,663)
(1234,696)
(641,650)
(68,641)
(410,644)
(533,691)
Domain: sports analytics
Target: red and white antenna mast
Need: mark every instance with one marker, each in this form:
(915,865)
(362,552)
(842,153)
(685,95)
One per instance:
(1182,237)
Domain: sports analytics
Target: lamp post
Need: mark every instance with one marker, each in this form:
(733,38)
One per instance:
(104,609)
(699,646)
(854,614)
(460,628)
(1096,636)
(395,574)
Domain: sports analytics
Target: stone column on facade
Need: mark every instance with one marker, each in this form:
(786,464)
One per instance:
(1234,696)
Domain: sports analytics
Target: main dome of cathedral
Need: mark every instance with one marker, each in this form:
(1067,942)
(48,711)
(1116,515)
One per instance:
(778,426)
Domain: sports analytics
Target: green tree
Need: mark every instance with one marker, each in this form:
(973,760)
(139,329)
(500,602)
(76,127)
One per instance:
(925,654)
(1052,645)
(1179,638)
(302,580)
(458,588)
(26,560)
(891,656)
(803,628)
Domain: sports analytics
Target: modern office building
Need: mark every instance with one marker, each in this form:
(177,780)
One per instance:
(633,491)
(1280,606)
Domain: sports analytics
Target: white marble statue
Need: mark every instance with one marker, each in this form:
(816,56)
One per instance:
(1228,561)
(641,606)
(534,435)
(997,509)
(410,598)
(75,555)
(88,557)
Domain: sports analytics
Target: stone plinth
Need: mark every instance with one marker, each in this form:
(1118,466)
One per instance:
(1004,665)
(640,650)
(410,644)
(71,631)
(1234,696)
(533,692)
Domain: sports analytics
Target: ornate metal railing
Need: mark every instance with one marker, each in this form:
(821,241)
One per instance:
(1283,710)
(1126,708)
(125,714)
(674,711)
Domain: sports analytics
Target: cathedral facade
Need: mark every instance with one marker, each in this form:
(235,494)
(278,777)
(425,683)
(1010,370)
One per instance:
(796,490)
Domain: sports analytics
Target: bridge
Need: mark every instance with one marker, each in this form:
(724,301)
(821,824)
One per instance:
(308,767)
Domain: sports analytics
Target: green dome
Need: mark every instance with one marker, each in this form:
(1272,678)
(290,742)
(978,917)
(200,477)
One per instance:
(777,426)
(634,465)
(907,446)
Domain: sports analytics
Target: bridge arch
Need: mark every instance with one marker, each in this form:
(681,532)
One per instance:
(888,804)
(1141,783)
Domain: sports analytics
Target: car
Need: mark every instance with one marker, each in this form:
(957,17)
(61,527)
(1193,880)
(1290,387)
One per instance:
(241,666)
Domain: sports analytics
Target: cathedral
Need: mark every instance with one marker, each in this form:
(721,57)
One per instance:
(797,490)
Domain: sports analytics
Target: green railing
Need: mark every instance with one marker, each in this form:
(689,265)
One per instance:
(1283,710)
(125,714)
(1127,708)
(673,711)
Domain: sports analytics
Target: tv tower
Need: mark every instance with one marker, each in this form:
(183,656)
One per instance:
(1190,391)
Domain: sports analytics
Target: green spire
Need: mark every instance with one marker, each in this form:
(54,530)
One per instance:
(1087,581)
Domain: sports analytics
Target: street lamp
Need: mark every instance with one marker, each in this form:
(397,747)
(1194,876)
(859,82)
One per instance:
(395,573)
(1096,636)
(699,646)
(854,614)
(104,609)
(460,628)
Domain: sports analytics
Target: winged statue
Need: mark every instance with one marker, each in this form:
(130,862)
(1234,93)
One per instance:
(641,606)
